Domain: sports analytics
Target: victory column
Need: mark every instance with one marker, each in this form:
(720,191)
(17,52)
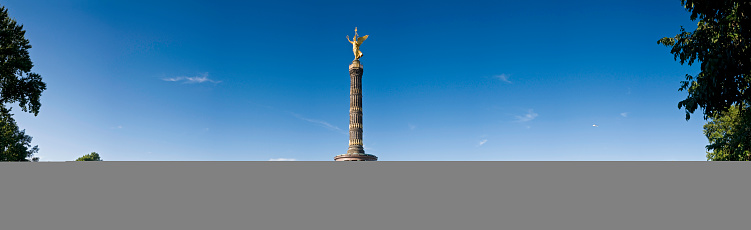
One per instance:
(355,151)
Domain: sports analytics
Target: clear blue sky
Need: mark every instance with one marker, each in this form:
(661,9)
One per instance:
(443,80)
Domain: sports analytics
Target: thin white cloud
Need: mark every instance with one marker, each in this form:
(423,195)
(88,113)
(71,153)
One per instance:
(503,77)
(411,126)
(624,114)
(527,117)
(197,79)
(320,123)
(482,142)
(282,159)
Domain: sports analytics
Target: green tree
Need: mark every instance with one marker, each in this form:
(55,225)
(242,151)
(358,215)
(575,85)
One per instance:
(93,156)
(17,85)
(721,44)
(720,130)
(14,144)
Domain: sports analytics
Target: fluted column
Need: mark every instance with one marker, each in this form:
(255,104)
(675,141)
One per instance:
(355,108)
(355,151)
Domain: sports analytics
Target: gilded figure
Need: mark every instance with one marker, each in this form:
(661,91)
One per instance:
(356,42)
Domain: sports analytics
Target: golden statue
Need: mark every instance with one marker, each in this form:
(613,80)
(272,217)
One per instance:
(356,42)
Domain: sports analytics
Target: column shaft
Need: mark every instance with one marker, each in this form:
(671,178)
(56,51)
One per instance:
(355,108)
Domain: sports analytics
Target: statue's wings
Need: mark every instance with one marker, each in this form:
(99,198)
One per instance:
(362,39)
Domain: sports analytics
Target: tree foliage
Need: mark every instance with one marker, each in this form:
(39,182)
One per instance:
(93,156)
(721,45)
(17,85)
(17,82)
(15,145)
(724,141)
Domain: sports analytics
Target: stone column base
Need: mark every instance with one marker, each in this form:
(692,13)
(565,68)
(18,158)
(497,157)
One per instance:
(355,157)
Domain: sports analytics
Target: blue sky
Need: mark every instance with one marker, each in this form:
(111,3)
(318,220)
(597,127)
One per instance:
(443,80)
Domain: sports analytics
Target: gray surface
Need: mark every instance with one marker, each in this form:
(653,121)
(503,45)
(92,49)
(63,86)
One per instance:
(375,195)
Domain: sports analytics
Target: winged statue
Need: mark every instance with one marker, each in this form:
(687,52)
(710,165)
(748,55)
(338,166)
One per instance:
(356,42)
